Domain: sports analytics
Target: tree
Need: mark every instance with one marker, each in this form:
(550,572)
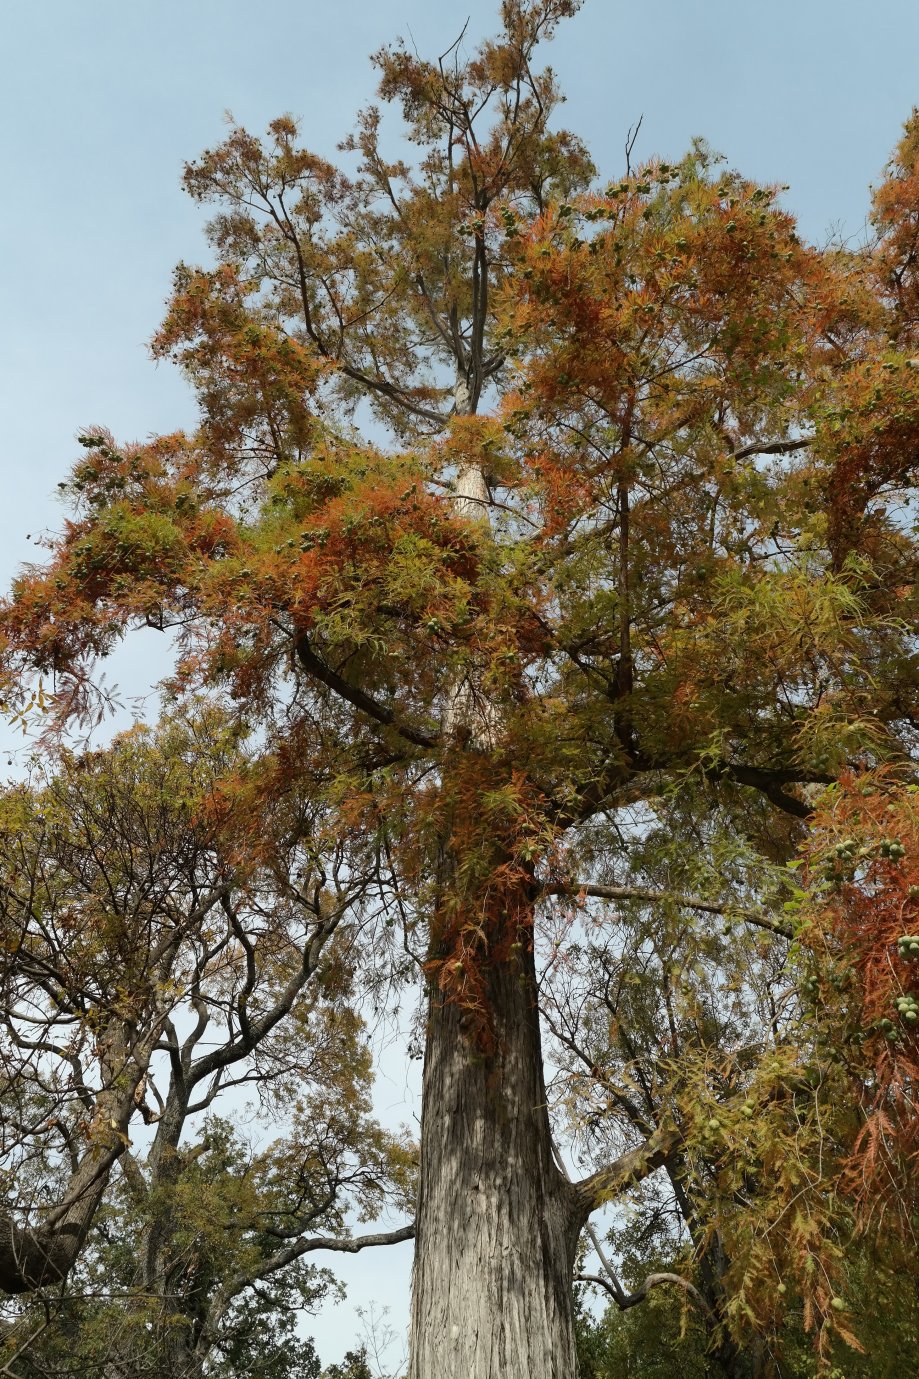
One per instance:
(631,583)
(354,1366)
(146,951)
(647,1340)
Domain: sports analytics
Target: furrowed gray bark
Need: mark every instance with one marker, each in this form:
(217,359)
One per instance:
(496,1224)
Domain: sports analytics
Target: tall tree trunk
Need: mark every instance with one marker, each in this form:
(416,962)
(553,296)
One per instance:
(497,1225)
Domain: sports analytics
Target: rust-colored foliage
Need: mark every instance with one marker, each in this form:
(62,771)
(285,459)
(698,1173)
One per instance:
(868,412)
(864,861)
(496,831)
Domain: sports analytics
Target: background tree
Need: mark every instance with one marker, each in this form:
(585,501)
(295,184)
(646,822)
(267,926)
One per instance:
(354,1366)
(125,910)
(650,1339)
(653,600)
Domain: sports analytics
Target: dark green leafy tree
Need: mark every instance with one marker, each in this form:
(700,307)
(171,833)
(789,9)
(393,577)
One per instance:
(353,1366)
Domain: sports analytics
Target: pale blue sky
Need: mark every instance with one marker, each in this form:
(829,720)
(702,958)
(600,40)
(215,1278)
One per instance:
(102,101)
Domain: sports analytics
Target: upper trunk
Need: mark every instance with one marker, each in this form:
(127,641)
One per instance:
(497,1225)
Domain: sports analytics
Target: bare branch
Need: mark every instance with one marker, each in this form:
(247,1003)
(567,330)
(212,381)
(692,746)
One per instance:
(757,918)
(625,1300)
(630,140)
(630,1168)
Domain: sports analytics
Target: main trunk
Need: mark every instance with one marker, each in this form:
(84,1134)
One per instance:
(496,1223)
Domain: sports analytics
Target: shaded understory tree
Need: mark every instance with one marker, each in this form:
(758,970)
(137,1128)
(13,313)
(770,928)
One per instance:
(574,677)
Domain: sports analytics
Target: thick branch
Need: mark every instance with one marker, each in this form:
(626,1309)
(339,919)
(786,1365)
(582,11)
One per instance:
(770,782)
(771,448)
(308,1244)
(32,1257)
(316,667)
(632,1167)
(305,1244)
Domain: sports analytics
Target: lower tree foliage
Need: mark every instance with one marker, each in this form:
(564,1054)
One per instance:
(580,711)
(354,1366)
(650,1341)
(672,1327)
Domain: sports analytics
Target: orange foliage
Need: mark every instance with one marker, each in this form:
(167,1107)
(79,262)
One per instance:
(864,854)
(697,566)
(493,823)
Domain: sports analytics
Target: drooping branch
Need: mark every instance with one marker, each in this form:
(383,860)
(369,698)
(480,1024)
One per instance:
(624,1300)
(611,1282)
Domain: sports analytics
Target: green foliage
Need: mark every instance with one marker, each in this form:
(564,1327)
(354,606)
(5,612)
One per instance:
(650,1340)
(353,1366)
(647,1342)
